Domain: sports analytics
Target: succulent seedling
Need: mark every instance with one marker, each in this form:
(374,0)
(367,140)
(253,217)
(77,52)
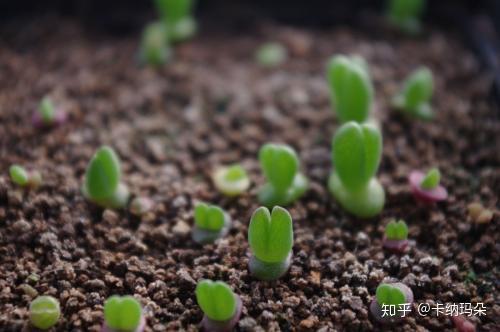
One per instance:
(47,115)
(232,180)
(281,169)
(221,307)
(396,236)
(406,14)
(271,54)
(23,178)
(356,152)
(393,294)
(44,312)
(462,324)
(177,17)
(416,95)
(102,180)
(426,188)
(351,89)
(211,223)
(270,236)
(140,206)
(155,48)
(123,314)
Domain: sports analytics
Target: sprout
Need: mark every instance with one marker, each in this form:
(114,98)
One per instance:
(232,180)
(211,223)
(221,307)
(47,115)
(123,314)
(356,151)
(416,95)
(44,312)
(396,236)
(426,187)
(177,18)
(23,178)
(395,294)
(102,180)
(271,55)
(462,324)
(155,48)
(351,89)
(140,205)
(405,14)
(280,165)
(270,236)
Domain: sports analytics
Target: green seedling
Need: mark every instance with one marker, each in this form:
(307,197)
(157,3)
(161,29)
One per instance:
(356,152)
(123,314)
(406,14)
(47,110)
(396,230)
(416,95)
(211,223)
(23,178)
(351,89)
(232,180)
(44,312)
(155,48)
(393,295)
(271,55)
(281,169)
(390,295)
(177,17)
(102,180)
(431,179)
(270,236)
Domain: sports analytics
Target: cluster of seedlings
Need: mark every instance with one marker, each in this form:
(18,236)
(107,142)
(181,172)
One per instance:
(356,154)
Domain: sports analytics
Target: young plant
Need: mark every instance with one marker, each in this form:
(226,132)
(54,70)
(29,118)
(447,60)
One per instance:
(47,115)
(271,55)
(406,14)
(232,180)
(394,294)
(351,89)
(23,178)
(396,236)
(177,18)
(155,48)
(426,187)
(356,152)
(281,169)
(221,307)
(211,223)
(44,312)
(102,180)
(123,314)
(270,236)
(140,206)
(416,95)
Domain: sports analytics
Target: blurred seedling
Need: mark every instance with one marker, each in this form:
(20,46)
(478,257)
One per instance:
(406,14)
(416,95)
(426,188)
(394,294)
(232,180)
(396,236)
(47,115)
(123,314)
(271,54)
(44,312)
(211,223)
(20,176)
(177,18)
(155,46)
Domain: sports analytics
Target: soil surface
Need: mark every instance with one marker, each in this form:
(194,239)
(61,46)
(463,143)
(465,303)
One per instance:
(214,105)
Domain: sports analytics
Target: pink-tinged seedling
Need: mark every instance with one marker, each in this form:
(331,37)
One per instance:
(47,115)
(396,236)
(462,324)
(426,188)
(397,295)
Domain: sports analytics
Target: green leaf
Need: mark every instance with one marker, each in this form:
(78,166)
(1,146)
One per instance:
(431,179)
(44,312)
(418,88)
(216,300)
(209,217)
(18,175)
(271,235)
(155,48)
(280,165)
(351,89)
(271,54)
(122,313)
(390,295)
(103,174)
(173,11)
(396,230)
(402,10)
(356,154)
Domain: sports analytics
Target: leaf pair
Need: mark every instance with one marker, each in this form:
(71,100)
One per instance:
(431,179)
(155,48)
(406,14)
(351,89)
(210,217)
(396,230)
(280,165)
(418,88)
(122,313)
(173,11)
(216,300)
(390,295)
(270,235)
(103,174)
(356,154)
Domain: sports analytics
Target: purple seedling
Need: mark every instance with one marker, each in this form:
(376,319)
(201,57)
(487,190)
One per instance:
(396,237)
(426,188)
(388,295)
(47,115)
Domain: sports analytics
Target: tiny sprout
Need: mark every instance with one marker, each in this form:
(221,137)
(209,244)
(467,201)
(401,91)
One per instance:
(416,95)
(221,307)
(394,294)
(47,114)
(270,236)
(44,312)
(281,169)
(140,206)
(232,180)
(102,180)
(426,187)
(462,324)
(211,223)
(351,89)
(356,151)
(123,314)
(155,49)
(177,18)
(24,178)
(405,14)
(271,55)
(396,236)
